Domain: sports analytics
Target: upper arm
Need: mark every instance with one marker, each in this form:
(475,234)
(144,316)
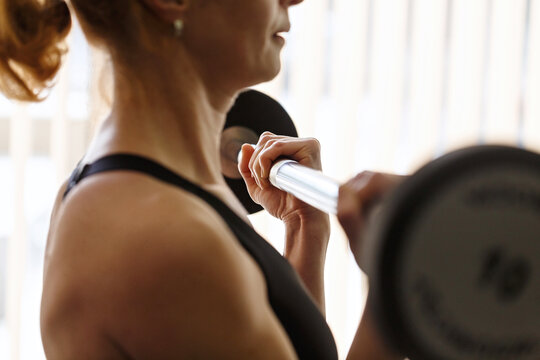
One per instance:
(58,199)
(195,294)
(56,206)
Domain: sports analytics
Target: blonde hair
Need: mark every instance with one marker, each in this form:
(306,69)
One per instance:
(32,34)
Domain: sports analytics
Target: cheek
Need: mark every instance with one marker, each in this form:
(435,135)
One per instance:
(240,42)
(259,16)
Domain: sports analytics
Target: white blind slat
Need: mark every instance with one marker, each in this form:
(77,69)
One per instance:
(503,90)
(338,132)
(347,81)
(427,77)
(465,79)
(531,123)
(306,63)
(387,78)
(20,147)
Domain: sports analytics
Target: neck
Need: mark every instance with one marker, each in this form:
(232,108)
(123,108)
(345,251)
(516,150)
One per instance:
(177,122)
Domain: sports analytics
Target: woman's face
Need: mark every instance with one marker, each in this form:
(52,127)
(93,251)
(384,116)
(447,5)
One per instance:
(237,40)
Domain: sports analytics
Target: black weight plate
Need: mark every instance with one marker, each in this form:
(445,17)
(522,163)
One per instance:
(257,112)
(457,258)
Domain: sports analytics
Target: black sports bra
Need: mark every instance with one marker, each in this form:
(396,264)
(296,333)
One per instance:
(299,316)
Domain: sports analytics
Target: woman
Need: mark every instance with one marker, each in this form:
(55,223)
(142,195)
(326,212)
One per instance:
(149,254)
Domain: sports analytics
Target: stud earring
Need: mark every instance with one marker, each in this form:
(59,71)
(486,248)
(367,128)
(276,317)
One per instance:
(178,27)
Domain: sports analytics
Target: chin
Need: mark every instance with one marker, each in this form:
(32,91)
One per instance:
(256,72)
(272,74)
(269,72)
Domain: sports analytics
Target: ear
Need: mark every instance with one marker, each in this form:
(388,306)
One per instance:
(167,10)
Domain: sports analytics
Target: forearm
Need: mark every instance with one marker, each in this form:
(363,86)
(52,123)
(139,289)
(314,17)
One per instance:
(368,344)
(305,247)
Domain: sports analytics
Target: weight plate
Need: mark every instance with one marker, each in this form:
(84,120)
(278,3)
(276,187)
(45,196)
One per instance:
(252,114)
(457,270)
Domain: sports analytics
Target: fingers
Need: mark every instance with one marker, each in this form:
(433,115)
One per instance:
(271,147)
(366,189)
(351,204)
(260,166)
(356,199)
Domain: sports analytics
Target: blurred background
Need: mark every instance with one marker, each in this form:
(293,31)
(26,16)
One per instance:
(384,85)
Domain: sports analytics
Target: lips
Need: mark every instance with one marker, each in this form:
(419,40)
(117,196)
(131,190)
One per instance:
(279,40)
(281,32)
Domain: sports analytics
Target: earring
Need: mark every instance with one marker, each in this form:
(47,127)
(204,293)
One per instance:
(178,27)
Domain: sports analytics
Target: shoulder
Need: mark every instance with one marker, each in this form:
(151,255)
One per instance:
(124,202)
(165,273)
(126,221)
(134,213)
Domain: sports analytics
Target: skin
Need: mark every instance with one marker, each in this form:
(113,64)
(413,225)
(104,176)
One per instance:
(356,199)
(127,255)
(307,229)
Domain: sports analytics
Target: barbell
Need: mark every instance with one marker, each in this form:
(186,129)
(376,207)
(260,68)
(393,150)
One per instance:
(452,254)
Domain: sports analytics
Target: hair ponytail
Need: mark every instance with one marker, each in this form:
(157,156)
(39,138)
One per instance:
(31,46)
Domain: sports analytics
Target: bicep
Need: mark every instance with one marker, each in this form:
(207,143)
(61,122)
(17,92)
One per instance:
(201,297)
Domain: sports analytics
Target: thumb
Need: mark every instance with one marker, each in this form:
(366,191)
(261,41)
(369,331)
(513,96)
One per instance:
(246,153)
(243,167)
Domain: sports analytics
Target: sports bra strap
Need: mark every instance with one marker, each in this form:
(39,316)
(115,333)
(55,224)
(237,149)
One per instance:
(136,163)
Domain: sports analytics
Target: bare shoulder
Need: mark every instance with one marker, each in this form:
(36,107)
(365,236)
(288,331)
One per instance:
(132,214)
(165,273)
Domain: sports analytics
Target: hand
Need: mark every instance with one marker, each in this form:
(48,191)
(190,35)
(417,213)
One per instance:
(307,230)
(255,170)
(357,198)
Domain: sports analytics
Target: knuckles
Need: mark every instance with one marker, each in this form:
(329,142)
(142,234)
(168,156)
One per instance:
(271,146)
(265,137)
(362,176)
(314,144)
(274,144)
